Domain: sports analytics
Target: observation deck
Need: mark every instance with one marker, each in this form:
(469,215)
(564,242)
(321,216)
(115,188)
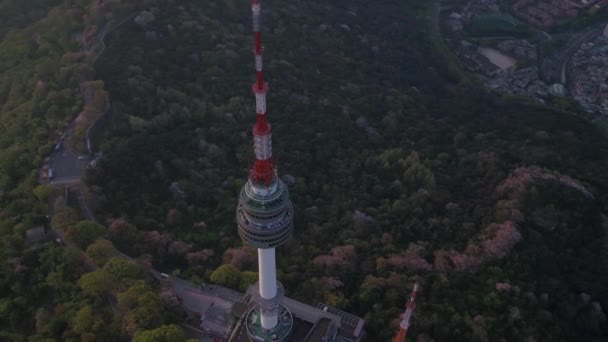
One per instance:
(265,214)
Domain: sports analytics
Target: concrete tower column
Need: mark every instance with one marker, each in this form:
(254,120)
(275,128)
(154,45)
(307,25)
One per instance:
(268,284)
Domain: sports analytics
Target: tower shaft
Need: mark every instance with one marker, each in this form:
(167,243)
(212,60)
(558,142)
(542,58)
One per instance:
(268,283)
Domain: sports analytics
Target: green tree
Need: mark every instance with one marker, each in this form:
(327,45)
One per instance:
(95,284)
(85,321)
(335,299)
(42,319)
(84,233)
(57,282)
(372,289)
(43,192)
(101,251)
(141,318)
(164,333)
(64,218)
(247,278)
(130,298)
(71,266)
(144,305)
(227,275)
(417,175)
(123,269)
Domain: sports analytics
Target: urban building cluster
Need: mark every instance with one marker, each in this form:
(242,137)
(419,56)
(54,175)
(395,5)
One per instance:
(524,82)
(590,75)
(545,13)
(470,56)
(548,13)
(513,66)
(522,78)
(520,49)
(470,10)
(508,64)
(500,60)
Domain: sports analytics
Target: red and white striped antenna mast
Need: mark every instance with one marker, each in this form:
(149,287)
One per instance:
(405,321)
(263,170)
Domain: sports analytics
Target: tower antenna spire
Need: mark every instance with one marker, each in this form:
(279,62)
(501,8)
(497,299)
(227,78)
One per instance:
(263,169)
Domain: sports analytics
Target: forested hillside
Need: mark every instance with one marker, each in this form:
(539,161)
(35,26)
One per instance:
(19,14)
(52,291)
(401,170)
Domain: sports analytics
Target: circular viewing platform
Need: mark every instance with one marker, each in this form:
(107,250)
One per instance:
(265,219)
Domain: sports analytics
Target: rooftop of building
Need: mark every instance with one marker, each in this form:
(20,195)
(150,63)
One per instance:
(321,330)
(351,325)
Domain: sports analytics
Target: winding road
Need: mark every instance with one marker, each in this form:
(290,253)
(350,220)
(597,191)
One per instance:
(554,67)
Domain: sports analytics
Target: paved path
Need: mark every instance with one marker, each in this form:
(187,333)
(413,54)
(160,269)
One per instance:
(65,181)
(66,164)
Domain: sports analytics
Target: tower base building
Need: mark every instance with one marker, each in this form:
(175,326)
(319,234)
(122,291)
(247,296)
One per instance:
(322,323)
(226,315)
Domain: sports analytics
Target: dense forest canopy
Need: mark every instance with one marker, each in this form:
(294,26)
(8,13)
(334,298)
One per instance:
(400,168)
(55,291)
(394,157)
(17,14)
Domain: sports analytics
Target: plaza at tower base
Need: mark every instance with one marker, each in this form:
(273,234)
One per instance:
(226,315)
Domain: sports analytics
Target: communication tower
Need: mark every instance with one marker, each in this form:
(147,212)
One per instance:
(405,321)
(265,214)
